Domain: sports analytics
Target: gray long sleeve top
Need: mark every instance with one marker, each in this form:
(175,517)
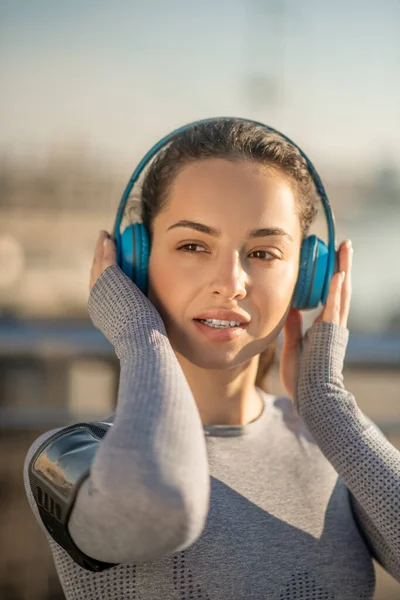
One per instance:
(293,505)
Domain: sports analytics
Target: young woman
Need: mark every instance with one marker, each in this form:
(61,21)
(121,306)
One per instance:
(202,485)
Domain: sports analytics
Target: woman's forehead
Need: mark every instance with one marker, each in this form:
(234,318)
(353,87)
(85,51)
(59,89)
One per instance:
(247,191)
(217,173)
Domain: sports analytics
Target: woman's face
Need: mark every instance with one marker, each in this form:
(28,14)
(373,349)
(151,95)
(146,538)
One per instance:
(225,264)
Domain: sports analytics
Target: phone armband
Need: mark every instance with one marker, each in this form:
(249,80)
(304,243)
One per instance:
(56,472)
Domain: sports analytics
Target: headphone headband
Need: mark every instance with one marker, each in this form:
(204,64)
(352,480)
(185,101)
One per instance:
(316,179)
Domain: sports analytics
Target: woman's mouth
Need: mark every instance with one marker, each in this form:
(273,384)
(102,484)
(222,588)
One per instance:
(218,330)
(219,324)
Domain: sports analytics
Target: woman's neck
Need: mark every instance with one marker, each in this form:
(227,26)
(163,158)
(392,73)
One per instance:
(226,397)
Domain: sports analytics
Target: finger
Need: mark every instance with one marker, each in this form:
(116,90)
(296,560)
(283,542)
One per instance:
(109,254)
(99,249)
(346,260)
(96,268)
(331,312)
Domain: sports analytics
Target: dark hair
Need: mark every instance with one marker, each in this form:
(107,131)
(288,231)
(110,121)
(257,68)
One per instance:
(231,139)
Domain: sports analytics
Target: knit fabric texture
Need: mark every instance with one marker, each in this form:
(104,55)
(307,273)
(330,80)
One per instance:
(293,505)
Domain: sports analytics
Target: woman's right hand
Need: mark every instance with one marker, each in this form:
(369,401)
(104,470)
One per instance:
(116,305)
(105,255)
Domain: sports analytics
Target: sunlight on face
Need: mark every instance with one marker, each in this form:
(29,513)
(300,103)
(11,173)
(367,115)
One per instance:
(223,265)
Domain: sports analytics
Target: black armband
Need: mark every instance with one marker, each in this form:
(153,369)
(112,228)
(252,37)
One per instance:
(56,472)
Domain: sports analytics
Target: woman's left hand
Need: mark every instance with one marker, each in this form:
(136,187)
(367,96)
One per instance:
(336,311)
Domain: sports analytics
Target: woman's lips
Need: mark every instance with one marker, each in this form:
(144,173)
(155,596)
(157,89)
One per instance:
(215,334)
(224,314)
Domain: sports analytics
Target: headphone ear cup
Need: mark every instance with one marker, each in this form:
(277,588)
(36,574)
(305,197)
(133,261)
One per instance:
(133,255)
(310,284)
(141,245)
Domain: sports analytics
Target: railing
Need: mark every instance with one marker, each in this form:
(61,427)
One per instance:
(54,348)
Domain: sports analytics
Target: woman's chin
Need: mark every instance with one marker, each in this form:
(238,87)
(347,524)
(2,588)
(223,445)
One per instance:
(208,363)
(211,354)
(209,358)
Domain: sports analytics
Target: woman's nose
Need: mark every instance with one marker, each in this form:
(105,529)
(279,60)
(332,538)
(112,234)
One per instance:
(229,278)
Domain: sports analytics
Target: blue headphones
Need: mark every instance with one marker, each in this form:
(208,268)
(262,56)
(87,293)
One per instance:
(317,260)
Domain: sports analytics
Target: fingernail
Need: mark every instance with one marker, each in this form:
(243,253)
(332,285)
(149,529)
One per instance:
(343,274)
(349,244)
(105,241)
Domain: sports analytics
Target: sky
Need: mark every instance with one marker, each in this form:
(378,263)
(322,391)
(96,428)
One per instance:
(114,77)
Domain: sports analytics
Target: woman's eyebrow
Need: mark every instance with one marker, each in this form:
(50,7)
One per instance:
(254,233)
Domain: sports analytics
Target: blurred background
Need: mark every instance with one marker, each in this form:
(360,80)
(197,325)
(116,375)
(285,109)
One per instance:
(86,88)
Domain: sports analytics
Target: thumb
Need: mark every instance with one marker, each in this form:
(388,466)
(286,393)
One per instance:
(109,253)
(292,331)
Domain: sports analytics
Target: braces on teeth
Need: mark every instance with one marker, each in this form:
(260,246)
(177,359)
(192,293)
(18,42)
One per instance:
(219,324)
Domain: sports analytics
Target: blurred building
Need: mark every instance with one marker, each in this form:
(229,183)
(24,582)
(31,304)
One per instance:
(50,214)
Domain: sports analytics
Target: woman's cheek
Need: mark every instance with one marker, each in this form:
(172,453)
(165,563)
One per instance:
(274,295)
(160,283)
(288,277)
(168,287)
(281,281)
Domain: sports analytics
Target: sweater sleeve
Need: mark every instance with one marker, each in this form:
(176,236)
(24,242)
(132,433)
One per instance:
(367,462)
(147,494)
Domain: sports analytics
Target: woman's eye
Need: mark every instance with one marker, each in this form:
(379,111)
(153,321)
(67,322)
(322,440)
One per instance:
(264,255)
(198,249)
(191,248)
